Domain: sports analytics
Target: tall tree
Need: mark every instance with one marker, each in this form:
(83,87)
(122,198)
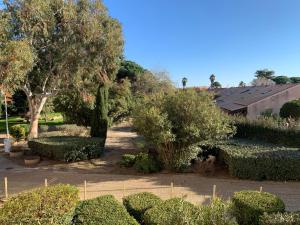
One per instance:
(265,73)
(184,82)
(45,44)
(242,84)
(130,70)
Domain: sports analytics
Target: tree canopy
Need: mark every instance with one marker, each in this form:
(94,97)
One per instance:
(265,73)
(47,44)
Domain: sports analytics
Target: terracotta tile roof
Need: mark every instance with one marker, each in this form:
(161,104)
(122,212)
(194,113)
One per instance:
(240,97)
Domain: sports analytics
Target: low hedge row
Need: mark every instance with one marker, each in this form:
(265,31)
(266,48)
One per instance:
(44,206)
(104,210)
(260,161)
(249,206)
(275,135)
(67,149)
(280,219)
(138,204)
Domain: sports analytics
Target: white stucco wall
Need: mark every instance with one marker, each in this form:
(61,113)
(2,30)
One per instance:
(274,102)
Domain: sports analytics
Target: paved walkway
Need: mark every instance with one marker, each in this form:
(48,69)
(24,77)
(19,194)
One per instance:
(104,179)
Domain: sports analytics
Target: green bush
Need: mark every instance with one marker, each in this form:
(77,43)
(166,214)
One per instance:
(137,204)
(270,130)
(174,123)
(256,161)
(280,219)
(128,160)
(104,210)
(178,212)
(44,206)
(250,205)
(18,132)
(146,163)
(67,149)
(291,110)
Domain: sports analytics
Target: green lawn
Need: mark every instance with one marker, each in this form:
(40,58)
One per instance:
(53,119)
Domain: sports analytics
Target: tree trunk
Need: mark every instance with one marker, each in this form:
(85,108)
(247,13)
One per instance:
(100,118)
(36,104)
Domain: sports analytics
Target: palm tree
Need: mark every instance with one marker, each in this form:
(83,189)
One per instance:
(184,81)
(212,79)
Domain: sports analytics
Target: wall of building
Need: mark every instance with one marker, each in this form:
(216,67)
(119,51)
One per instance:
(274,102)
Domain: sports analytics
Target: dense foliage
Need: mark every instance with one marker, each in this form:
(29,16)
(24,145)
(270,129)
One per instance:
(175,122)
(103,210)
(277,131)
(146,163)
(291,110)
(18,132)
(177,212)
(128,160)
(130,70)
(250,205)
(54,43)
(67,149)
(138,204)
(280,219)
(44,206)
(256,161)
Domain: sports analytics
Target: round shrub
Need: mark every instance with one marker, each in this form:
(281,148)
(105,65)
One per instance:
(128,160)
(175,211)
(51,205)
(18,132)
(280,219)
(291,109)
(137,204)
(146,163)
(250,205)
(103,210)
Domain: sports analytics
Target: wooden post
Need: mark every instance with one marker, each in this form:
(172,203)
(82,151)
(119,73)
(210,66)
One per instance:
(172,189)
(84,193)
(214,191)
(260,189)
(6,187)
(46,182)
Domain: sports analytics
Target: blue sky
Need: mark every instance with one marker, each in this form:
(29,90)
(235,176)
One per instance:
(195,38)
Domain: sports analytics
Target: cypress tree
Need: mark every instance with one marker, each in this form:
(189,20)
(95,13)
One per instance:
(100,118)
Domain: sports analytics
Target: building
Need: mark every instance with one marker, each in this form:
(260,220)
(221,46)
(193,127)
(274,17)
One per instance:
(253,101)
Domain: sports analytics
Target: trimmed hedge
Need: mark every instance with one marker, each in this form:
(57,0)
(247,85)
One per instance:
(104,210)
(178,212)
(280,219)
(250,205)
(51,205)
(260,131)
(172,212)
(68,149)
(291,109)
(260,161)
(138,204)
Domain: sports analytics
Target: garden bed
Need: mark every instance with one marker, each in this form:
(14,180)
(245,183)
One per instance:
(67,148)
(260,161)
